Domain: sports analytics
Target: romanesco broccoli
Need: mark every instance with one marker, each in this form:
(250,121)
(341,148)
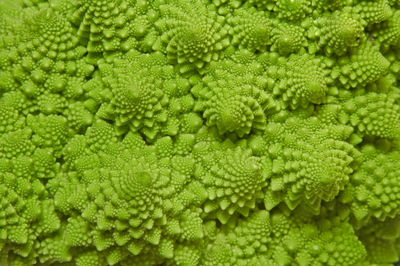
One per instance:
(199,132)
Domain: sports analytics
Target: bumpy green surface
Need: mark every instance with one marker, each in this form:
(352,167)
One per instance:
(199,132)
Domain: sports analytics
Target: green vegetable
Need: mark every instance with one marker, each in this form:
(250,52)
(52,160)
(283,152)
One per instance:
(199,132)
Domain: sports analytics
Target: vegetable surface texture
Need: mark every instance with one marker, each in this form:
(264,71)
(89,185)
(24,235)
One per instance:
(199,132)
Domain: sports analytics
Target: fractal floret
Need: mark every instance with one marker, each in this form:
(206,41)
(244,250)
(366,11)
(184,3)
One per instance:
(199,132)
